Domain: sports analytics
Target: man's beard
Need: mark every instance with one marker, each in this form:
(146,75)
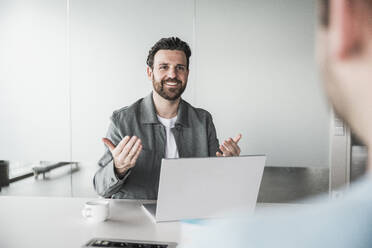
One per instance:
(170,94)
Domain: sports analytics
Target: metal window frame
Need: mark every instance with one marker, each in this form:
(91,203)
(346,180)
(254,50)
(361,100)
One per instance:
(340,157)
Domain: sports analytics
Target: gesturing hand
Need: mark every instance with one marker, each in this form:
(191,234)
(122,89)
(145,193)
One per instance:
(230,147)
(125,154)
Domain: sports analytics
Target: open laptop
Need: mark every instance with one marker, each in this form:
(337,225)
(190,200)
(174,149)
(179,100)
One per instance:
(196,188)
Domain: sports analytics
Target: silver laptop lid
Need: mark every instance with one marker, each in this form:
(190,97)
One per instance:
(192,188)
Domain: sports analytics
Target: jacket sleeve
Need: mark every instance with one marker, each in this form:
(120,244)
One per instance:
(212,137)
(106,182)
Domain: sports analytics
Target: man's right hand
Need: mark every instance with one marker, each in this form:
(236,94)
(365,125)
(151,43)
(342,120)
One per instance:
(125,154)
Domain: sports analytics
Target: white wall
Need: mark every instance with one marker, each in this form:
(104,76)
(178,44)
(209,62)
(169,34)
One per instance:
(34,113)
(109,45)
(252,67)
(256,74)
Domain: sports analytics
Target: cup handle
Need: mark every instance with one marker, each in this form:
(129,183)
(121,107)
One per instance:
(87,212)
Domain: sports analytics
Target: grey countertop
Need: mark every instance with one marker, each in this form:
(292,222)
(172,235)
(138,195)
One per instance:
(289,184)
(279,184)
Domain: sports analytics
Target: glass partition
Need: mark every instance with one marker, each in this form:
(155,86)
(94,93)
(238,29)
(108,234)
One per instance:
(66,65)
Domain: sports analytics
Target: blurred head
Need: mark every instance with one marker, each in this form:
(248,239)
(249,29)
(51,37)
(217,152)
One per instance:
(344,52)
(168,67)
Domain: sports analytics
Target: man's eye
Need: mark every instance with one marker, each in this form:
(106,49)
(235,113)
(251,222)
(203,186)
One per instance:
(180,68)
(163,67)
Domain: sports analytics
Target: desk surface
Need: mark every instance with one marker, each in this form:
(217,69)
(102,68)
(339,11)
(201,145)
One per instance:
(57,222)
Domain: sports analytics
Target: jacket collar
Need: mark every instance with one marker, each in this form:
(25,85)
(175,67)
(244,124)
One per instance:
(183,115)
(148,112)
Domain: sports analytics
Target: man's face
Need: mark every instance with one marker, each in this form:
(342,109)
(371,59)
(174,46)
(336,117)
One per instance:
(345,60)
(326,61)
(336,85)
(169,73)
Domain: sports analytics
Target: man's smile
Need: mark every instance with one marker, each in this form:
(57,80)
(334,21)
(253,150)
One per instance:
(171,84)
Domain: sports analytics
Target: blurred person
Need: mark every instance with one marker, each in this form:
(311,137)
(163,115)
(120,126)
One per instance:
(161,125)
(344,53)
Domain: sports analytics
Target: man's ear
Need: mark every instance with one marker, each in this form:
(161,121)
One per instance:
(344,31)
(149,72)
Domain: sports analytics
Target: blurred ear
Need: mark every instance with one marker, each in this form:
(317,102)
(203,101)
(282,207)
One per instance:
(149,72)
(344,30)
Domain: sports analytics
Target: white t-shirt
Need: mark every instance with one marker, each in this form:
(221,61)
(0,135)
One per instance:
(171,150)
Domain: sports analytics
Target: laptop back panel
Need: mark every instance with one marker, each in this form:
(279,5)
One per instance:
(208,187)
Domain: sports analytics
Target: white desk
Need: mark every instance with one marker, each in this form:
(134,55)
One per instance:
(57,222)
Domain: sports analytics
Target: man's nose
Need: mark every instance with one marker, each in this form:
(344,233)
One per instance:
(172,72)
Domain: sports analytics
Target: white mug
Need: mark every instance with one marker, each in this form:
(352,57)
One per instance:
(96,211)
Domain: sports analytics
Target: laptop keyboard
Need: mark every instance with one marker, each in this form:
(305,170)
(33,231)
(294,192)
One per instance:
(123,243)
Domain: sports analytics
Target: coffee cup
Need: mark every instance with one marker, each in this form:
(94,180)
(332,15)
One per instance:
(96,211)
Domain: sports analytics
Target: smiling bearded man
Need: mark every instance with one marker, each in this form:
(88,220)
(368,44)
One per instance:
(161,125)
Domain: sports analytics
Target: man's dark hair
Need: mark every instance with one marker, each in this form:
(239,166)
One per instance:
(324,7)
(324,12)
(171,43)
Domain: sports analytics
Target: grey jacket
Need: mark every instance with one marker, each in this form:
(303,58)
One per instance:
(194,133)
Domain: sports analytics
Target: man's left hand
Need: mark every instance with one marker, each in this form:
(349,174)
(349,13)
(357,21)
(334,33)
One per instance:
(230,147)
